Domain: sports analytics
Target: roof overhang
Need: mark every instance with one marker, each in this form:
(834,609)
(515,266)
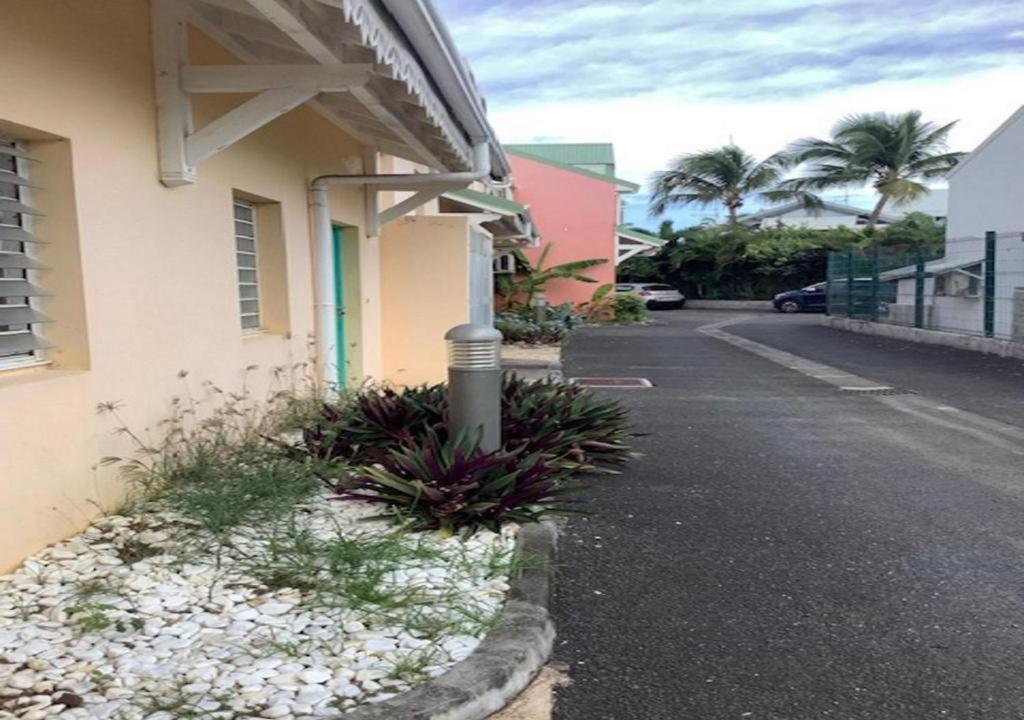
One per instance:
(638,236)
(630,242)
(390,80)
(936,267)
(508,222)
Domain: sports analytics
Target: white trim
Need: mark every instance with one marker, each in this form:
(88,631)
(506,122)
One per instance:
(173,107)
(257,78)
(242,121)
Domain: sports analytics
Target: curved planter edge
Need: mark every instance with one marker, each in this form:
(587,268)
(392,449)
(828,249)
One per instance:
(505,662)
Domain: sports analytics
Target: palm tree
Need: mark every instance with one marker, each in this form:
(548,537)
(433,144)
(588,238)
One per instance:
(892,152)
(725,175)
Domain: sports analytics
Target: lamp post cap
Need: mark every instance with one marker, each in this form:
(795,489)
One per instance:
(473,333)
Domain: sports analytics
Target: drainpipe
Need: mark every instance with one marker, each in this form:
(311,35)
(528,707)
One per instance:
(326,307)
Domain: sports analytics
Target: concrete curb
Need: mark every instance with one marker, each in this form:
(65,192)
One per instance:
(991,346)
(505,662)
(513,364)
(729,305)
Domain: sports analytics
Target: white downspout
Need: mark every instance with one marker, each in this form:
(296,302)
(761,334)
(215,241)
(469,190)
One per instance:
(326,307)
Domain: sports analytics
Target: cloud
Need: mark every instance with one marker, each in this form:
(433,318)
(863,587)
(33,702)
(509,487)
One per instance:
(526,51)
(663,77)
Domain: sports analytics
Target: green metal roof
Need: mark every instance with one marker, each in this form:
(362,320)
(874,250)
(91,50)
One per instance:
(639,235)
(570,153)
(490,202)
(624,185)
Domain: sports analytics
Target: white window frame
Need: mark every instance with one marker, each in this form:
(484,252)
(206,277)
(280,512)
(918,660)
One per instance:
(255,269)
(23,194)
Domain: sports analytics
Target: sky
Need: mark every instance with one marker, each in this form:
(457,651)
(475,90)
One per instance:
(660,78)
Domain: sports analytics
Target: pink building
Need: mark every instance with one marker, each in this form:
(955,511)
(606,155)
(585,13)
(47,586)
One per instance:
(574,198)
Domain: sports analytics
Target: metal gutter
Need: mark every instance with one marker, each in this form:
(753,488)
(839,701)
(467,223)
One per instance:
(428,184)
(426,31)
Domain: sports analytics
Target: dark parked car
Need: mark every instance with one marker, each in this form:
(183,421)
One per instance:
(812,298)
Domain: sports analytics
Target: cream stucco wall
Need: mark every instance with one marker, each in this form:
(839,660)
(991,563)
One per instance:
(144,275)
(425,292)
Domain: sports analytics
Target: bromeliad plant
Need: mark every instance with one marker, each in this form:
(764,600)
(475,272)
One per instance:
(570,425)
(373,421)
(444,484)
(394,448)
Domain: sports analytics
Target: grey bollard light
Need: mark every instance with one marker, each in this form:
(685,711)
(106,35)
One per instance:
(539,302)
(474,384)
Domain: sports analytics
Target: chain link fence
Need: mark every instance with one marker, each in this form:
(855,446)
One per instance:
(972,286)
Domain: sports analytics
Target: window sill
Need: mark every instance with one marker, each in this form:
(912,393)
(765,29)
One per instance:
(32,373)
(252,335)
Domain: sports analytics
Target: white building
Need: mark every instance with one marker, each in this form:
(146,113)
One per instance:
(986,194)
(829,215)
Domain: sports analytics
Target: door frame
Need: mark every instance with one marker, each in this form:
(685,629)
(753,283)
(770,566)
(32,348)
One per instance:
(338,263)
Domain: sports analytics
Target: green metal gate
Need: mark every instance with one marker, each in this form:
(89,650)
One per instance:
(863,284)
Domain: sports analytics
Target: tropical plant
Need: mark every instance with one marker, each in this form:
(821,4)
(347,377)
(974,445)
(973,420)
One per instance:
(723,262)
(569,423)
(628,309)
(916,230)
(606,307)
(895,153)
(375,420)
(445,484)
(531,279)
(726,175)
(515,329)
(601,306)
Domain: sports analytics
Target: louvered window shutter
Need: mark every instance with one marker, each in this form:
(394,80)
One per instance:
(21,323)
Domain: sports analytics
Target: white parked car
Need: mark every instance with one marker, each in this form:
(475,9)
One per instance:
(654,295)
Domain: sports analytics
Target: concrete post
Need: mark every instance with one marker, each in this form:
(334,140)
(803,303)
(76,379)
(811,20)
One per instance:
(1018,315)
(919,269)
(474,384)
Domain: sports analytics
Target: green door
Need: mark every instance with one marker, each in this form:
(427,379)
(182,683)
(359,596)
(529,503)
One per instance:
(339,301)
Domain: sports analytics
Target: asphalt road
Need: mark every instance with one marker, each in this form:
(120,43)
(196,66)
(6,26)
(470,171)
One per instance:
(985,384)
(785,550)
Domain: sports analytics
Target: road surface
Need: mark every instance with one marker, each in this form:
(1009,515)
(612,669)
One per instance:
(789,550)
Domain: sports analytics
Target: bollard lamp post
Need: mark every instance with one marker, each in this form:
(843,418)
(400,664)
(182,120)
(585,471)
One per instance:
(539,303)
(474,384)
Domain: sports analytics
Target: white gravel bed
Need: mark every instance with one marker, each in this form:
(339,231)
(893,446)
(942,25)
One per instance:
(140,616)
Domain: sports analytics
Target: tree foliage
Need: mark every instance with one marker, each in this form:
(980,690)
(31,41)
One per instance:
(740,263)
(727,175)
(529,279)
(894,153)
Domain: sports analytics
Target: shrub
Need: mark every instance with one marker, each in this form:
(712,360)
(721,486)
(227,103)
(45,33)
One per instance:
(606,307)
(214,464)
(443,484)
(568,424)
(629,309)
(374,421)
(517,330)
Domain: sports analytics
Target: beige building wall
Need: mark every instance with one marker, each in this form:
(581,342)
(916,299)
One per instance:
(145,276)
(425,292)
